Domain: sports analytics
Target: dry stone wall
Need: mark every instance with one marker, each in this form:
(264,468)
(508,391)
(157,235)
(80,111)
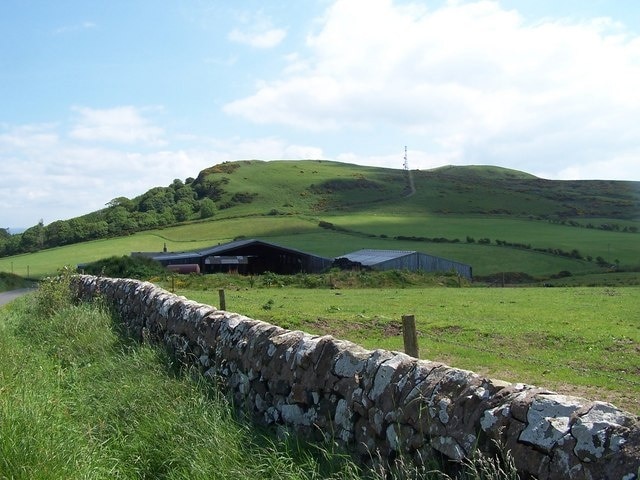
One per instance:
(378,403)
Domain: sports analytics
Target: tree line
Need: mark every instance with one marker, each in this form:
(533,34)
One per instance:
(161,206)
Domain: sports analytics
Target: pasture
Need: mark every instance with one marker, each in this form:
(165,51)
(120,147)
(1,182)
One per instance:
(583,341)
(303,233)
(285,201)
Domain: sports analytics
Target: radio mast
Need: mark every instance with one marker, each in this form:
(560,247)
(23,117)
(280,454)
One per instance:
(410,189)
(406,161)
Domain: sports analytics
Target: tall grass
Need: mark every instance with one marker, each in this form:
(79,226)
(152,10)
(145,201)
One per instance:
(9,281)
(80,400)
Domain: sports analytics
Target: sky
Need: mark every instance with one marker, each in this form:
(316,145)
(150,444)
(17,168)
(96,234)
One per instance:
(104,99)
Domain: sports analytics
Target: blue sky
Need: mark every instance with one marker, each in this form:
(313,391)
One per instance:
(101,99)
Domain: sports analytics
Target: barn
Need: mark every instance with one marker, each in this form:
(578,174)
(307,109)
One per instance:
(253,257)
(403,260)
(246,256)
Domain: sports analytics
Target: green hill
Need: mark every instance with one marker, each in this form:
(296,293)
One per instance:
(496,219)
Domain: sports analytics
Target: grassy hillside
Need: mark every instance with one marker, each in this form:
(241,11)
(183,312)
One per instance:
(493,218)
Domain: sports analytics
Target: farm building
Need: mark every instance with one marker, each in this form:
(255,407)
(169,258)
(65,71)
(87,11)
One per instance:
(402,260)
(245,257)
(257,256)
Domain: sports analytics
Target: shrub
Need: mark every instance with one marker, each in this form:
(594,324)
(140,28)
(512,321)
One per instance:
(54,293)
(141,268)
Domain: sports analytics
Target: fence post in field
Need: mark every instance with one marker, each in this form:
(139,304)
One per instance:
(223,301)
(410,335)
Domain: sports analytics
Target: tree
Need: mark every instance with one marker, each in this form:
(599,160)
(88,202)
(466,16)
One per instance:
(80,229)
(99,229)
(207,208)
(182,211)
(32,239)
(58,233)
(122,202)
(157,199)
(146,220)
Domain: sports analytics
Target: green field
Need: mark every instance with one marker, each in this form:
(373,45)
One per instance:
(284,201)
(581,341)
(306,235)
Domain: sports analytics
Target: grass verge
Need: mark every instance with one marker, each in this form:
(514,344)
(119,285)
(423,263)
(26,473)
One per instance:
(79,400)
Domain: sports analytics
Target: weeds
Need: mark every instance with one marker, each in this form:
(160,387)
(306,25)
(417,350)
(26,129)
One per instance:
(54,293)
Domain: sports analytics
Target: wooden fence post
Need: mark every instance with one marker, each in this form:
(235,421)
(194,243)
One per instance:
(410,335)
(223,301)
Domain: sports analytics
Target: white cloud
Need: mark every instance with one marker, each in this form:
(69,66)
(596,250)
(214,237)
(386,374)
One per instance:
(86,25)
(257,31)
(258,39)
(125,124)
(480,82)
(51,175)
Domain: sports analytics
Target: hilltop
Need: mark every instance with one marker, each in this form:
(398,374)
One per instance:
(447,208)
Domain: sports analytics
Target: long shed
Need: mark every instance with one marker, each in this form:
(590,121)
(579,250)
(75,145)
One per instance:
(246,256)
(405,260)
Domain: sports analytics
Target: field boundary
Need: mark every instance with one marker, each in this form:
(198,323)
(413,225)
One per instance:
(379,404)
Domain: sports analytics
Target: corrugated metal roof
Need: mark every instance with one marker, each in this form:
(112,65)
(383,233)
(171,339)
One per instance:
(225,247)
(222,249)
(171,256)
(369,257)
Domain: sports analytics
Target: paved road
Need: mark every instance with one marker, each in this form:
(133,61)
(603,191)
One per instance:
(6,297)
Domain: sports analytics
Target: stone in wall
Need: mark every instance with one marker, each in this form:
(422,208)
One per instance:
(378,403)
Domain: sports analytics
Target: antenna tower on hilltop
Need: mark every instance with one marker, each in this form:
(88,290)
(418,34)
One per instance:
(410,189)
(406,161)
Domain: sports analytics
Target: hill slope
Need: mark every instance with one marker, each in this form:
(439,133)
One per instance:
(456,212)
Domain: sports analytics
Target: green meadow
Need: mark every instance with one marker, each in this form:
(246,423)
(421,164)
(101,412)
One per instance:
(495,219)
(365,232)
(583,341)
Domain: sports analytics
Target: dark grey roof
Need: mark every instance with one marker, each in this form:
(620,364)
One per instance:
(369,257)
(221,249)
(225,247)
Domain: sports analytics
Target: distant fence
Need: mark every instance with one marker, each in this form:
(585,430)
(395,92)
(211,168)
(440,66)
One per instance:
(379,404)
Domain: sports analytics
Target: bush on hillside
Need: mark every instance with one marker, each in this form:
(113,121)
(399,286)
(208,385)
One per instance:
(140,268)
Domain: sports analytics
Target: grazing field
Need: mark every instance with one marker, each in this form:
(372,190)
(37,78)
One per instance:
(495,219)
(583,341)
(305,234)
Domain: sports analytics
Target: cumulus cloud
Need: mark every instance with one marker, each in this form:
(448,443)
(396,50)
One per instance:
(482,82)
(125,124)
(264,148)
(50,172)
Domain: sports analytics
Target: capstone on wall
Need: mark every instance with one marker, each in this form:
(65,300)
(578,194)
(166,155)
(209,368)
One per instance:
(378,403)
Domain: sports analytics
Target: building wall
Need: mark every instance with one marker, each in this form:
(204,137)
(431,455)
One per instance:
(430,263)
(377,403)
(415,261)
